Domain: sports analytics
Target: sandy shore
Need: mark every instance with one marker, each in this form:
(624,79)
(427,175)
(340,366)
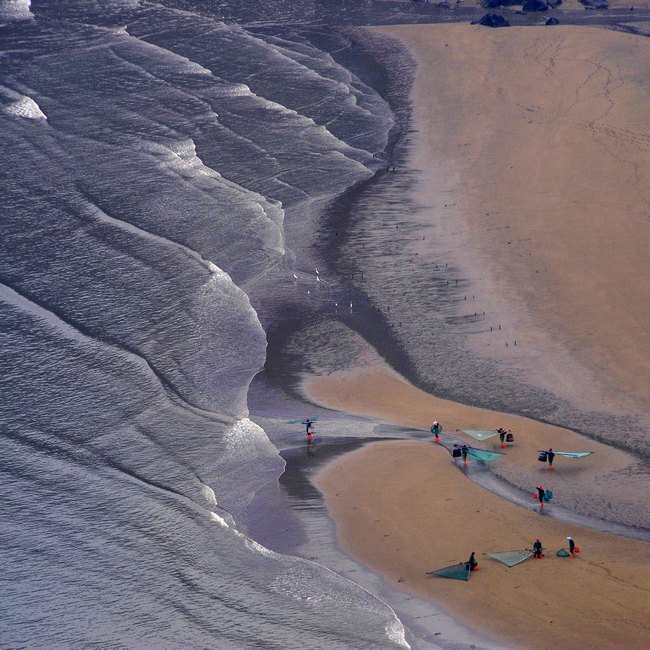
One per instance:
(403,508)
(534,151)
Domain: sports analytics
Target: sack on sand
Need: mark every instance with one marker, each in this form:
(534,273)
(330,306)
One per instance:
(542,457)
(510,437)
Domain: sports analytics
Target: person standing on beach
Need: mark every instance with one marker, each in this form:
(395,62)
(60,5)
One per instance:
(472,564)
(463,452)
(502,436)
(308,425)
(537,549)
(572,547)
(436,430)
(550,455)
(540,495)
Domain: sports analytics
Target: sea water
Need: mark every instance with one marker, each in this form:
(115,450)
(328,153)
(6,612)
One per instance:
(164,166)
(170,203)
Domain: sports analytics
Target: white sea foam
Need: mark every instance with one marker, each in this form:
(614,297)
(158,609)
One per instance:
(180,156)
(209,495)
(185,161)
(396,633)
(220,520)
(304,122)
(235,90)
(258,548)
(134,230)
(27,108)
(16,10)
(245,433)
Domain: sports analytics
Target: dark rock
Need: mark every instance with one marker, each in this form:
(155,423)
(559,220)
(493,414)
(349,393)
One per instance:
(594,4)
(535,5)
(493,4)
(552,21)
(493,20)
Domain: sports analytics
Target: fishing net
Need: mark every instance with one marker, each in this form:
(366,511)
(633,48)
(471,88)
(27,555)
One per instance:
(483,454)
(456,572)
(480,434)
(511,558)
(573,454)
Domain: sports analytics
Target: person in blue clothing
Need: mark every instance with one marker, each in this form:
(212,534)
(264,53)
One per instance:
(550,455)
(463,452)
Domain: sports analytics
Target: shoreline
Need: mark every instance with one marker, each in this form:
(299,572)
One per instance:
(423,521)
(392,490)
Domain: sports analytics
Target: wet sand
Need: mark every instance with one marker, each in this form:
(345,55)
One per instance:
(403,508)
(534,152)
(534,149)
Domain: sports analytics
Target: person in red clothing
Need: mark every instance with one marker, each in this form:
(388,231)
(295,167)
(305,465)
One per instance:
(537,549)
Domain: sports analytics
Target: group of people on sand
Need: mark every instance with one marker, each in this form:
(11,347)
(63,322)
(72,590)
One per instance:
(538,549)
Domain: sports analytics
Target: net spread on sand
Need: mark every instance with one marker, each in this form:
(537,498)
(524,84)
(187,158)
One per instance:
(483,454)
(573,454)
(511,558)
(455,572)
(480,434)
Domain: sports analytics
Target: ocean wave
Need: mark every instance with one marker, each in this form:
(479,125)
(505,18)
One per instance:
(145,237)
(181,157)
(21,106)
(16,10)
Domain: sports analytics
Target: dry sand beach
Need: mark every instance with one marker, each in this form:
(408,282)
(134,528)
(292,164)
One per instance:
(538,142)
(420,515)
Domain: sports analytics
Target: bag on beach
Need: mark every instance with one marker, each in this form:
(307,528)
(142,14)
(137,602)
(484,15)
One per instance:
(455,452)
(576,550)
(542,457)
(563,553)
(510,437)
(548,495)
